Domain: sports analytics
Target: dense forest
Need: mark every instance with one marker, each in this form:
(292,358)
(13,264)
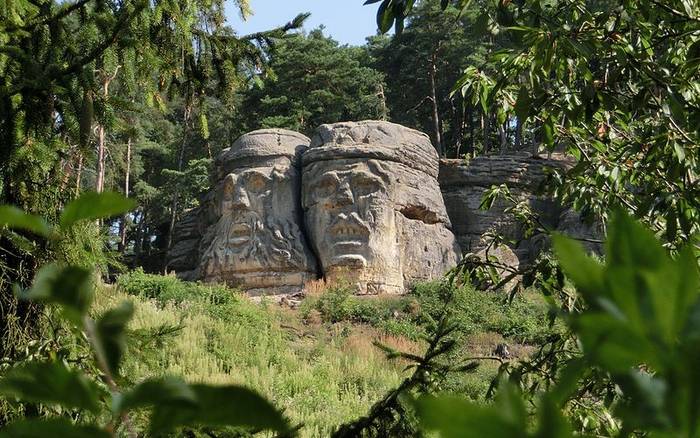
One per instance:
(112,113)
(157,146)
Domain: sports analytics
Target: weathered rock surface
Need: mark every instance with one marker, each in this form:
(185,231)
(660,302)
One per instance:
(373,208)
(590,235)
(463,185)
(256,242)
(183,256)
(365,201)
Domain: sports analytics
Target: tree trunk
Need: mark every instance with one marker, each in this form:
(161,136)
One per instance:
(101,147)
(78,173)
(472,143)
(140,236)
(502,136)
(384,112)
(536,134)
(486,132)
(519,134)
(180,165)
(67,167)
(458,117)
(122,224)
(100,179)
(432,72)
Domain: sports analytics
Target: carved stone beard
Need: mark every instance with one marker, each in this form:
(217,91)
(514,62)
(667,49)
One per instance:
(270,247)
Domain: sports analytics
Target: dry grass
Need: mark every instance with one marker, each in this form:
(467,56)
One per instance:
(318,362)
(361,342)
(321,378)
(313,288)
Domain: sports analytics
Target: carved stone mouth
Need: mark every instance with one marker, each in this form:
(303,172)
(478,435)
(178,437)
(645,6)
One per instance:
(349,261)
(348,230)
(239,234)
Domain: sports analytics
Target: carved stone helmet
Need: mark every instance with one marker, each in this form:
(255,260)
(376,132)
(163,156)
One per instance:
(257,243)
(373,208)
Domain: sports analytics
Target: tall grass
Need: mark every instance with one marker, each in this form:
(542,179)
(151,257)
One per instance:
(317,363)
(321,378)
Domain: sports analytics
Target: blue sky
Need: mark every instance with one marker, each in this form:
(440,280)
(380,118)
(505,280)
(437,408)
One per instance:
(347,21)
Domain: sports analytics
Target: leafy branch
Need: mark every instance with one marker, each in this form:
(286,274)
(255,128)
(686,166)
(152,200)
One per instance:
(638,333)
(393,412)
(173,403)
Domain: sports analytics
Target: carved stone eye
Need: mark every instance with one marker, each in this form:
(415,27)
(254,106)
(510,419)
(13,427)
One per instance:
(363,186)
(256,183)
(327,186)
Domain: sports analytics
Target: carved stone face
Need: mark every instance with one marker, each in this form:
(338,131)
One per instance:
(351,220)
(245,202)
(372,206)
(257,243)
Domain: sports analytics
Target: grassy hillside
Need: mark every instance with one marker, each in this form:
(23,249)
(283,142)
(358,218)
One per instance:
(318,362)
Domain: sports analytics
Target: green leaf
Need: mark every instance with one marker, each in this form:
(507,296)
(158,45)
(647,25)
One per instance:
(219,406)
(611,342)
(51,383)
(523,104)
(551,421)
(645,397)
(203,126)
(155,392)
(70,287)
(111,338)
(463,5)
(54,427)
(629,243)
(455,417)
(671,224)
(87,116)
(484,93)
(385,16)
(678,107)
(585,272)
(13,217)
(689,286)
(92,206)
(568,380)
(548,132)
(510,404)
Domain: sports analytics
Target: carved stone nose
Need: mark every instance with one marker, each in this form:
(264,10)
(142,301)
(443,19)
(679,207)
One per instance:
(240,198)
(344,195)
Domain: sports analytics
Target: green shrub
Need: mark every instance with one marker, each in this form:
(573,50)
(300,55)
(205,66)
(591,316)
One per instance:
(320,377)
(338,304)
(524,319)
(216,300)
(170,289)
(162,288)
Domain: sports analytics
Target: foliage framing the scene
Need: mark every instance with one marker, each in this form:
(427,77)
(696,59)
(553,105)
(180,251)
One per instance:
(614,84)
(107,407)
(640,326)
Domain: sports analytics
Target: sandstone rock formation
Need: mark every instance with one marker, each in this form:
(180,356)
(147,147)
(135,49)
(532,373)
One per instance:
(183,256)
(463,185)
(360,201)
(256,242)
(373,208)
